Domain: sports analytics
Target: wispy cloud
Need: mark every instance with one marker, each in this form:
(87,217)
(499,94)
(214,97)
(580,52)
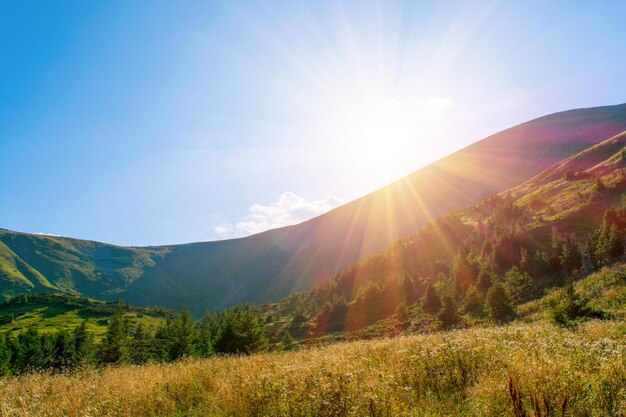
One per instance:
(289,209)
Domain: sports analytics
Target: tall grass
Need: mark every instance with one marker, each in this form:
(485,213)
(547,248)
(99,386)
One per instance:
(517,370)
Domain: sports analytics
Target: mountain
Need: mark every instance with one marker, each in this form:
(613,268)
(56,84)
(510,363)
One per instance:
(562,224)
(270,265)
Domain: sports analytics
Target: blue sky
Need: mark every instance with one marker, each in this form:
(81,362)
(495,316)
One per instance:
(143,123)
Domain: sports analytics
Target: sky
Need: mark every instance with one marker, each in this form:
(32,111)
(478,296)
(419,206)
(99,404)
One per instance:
(160,122)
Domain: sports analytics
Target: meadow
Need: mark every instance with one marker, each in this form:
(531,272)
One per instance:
(522,369)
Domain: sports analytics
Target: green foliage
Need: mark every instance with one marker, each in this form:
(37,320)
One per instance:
(115,347)
(402,312)
(571,309)
(240,331)
(473,303)
(448,315)
(431,302)
(484,281)
(5,356)
(520,285)
(499,303)
(183,333)
(288,342)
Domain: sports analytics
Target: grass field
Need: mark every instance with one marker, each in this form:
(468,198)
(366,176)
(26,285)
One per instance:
(499,371)
(53,312)
(528,368)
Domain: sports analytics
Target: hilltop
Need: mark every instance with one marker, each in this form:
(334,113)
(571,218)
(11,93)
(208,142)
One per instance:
(271,265)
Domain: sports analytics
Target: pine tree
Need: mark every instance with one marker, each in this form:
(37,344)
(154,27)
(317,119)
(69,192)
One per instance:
(206,333)
(573,308)
(448,315)
(473,301)
(83,345)
(483,283)
(520,284)
(461,274)
(63,353)
(183,335)
(5,356)
(499,303)
(430,301)
(288,342)
(114,348)
(240,331)
(402,312)
(30,355)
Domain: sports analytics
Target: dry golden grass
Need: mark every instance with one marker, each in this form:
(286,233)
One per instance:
(462,373)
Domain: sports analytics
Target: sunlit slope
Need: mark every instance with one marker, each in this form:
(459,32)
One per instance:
(45,263)
(270,265)
(54,312)
(557,219)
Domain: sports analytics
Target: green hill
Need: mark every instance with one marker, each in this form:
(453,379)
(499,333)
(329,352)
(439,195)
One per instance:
(271,265)
(48,313)
(555,228)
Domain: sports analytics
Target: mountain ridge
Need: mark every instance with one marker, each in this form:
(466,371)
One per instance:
(272,264)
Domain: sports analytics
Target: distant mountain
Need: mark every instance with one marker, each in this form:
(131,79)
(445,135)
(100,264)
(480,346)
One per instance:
(270,265)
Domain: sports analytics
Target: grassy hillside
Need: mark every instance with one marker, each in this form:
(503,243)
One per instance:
(48,263)
(271,265)
(54,312)
(557,227)
(513,370)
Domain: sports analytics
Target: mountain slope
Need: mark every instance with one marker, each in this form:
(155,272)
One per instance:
(560,225)
(270,265)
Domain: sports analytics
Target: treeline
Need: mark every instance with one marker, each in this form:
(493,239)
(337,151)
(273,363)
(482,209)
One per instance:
(457,271)
(235,331)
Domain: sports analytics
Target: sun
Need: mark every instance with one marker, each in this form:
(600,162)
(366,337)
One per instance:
(383,135)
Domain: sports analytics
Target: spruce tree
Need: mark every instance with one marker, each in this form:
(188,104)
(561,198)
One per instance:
(84,349)
(521,285)
(183,336)
(114,348)
(499,303)
(473,301)
(30,355)
(430,301)
(448,315)
(5,356)
(240,331)
(288,342)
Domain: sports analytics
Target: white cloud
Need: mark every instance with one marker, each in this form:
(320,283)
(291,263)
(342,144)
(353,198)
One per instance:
(222,230)
(289,209)
(48,234)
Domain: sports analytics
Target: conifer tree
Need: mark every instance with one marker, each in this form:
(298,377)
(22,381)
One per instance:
(499,303)
(448,315)
(288,342)
(5,356)
(30,354)
(114,348)
(430,301)
(521,285)
(183,335)
(473,301)
(484,281)
(240,331)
